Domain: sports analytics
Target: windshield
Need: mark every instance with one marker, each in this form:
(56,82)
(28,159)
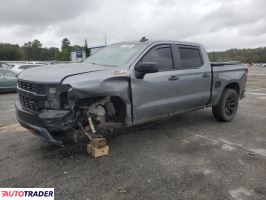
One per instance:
(115,55)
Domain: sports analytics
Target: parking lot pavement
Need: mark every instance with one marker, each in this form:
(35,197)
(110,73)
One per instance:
(190,156)
(7,109)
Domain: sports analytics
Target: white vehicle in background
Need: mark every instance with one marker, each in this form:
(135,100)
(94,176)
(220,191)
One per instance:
(37,63)
(20,67)
(260,65)
(5,66)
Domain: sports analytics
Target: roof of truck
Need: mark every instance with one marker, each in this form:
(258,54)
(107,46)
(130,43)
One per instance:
(148,42)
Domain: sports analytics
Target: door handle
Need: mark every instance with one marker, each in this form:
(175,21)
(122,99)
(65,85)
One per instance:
(173,78)
(205,75)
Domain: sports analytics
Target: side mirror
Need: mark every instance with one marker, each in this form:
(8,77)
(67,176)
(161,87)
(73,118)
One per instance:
(143,68)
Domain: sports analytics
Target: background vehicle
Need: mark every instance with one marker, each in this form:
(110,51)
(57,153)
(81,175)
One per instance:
(127,84)
(5,66)
(20,67)
(37,63)
(8,81)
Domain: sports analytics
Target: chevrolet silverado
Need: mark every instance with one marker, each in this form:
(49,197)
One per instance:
(126,84)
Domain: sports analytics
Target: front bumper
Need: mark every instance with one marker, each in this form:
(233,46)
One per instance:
(46,122)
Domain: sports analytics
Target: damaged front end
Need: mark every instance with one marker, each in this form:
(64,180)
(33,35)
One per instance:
(47,111)
(44,109)
(100,116)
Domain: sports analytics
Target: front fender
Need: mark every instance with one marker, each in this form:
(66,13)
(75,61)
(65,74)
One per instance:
(118,86)
(85,87)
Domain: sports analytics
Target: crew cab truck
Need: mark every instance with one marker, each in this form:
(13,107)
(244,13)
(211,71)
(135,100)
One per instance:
(126,84)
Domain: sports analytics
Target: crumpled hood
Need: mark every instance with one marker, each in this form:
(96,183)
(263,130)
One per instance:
(56,73)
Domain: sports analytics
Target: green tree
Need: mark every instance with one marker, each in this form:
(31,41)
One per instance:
(64,55)
(10,52)
(27,51)
(243,55)
(36,44)
(37,50)
(87,50)
(32,50)
(65,44)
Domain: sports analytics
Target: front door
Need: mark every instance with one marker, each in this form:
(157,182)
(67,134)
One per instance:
(152,93)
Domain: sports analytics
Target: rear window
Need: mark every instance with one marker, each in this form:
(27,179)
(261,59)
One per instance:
(28,66)
(190,57)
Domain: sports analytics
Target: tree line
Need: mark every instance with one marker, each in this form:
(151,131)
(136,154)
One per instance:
(34,51)
(257,55)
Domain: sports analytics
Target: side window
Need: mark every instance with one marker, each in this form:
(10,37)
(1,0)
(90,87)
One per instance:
(162,56)
(34,66)
(23,67)
(9,74)
(190,57)
(28,66)
(5,66)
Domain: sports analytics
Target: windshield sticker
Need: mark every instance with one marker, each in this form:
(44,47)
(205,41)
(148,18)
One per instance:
(127,46)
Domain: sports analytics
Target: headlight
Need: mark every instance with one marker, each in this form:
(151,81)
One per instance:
(57,96)
(52,101)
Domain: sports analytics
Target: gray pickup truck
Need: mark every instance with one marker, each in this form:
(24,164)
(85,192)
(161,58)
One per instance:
(126,84)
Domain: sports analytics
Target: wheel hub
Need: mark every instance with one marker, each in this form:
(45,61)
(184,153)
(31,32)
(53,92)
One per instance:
(230,105)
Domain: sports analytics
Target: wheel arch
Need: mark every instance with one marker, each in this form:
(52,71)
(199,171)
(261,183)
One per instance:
(121,107)
(233,85)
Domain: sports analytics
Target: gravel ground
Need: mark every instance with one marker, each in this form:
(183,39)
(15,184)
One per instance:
(190,156)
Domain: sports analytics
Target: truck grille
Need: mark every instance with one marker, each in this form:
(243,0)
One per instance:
(29,103)
(37,96)
(27,86)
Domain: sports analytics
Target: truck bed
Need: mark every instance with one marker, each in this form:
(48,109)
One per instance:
(219,64)
(225,73)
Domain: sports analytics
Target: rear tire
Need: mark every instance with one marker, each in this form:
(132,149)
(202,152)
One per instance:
(226,110)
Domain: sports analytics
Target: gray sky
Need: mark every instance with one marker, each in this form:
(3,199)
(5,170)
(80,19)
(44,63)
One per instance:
(218,24)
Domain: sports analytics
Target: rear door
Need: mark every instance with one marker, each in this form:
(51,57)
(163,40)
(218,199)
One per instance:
(151,94)
(194,78)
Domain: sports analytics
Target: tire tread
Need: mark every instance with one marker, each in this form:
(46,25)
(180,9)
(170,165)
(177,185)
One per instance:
(219,110)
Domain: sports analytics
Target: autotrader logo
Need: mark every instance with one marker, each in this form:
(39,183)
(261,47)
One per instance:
(27,193)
